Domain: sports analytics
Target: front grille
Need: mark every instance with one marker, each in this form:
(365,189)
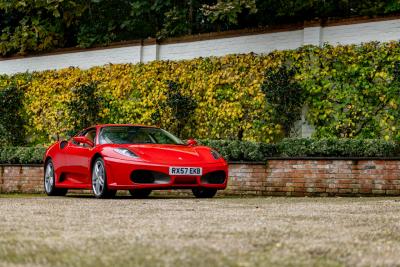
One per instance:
(149,177)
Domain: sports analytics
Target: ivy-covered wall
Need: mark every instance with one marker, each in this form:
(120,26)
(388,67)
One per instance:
(351,91)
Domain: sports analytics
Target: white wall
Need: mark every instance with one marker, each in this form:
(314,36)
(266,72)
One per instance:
(262,43)
(83,60)
(258,43)
(364,32)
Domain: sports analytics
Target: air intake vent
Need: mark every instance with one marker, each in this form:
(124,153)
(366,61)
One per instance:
(149,177)
(217,177)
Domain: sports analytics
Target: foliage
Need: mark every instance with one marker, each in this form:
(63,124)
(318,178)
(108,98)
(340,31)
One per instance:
(21,155)
(37,25)
(392,6)
(217,98)
(176,23)
(235,150)
(109,21)
(228,10)
(181,106)
(351,91)
(284,93)
(47,103)
(337,148)
(225,90)
(12,130)
(252,151)
(34,26)
(84,107)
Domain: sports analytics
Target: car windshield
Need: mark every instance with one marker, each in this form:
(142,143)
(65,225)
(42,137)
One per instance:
(136,135)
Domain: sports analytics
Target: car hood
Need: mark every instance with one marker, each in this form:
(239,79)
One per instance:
(168,154)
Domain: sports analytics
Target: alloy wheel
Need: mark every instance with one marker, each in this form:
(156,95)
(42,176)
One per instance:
(98,178)
(49,177)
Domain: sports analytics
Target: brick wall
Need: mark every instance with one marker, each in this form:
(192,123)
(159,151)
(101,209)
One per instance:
(316,177)
(21,179)
(275,178)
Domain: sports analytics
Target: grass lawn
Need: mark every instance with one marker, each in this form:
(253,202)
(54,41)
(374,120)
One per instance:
(183,231)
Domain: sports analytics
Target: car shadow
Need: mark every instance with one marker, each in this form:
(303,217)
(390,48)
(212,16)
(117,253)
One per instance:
(86,196)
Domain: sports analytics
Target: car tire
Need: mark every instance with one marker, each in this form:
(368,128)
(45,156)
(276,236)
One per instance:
(99,180)
(204,192)
(49,179)
(140,193)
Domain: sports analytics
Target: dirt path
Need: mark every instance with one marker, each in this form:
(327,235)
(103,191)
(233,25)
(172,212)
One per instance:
(82,231)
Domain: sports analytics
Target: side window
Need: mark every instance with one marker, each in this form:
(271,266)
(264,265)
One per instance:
(159,137)
(91,135)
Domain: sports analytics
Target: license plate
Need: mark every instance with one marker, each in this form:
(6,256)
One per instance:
(196,171)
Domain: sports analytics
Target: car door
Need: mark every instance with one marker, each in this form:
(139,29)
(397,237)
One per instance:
(78,159)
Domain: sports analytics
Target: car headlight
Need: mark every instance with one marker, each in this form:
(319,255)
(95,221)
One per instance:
(126,152)
(215,154)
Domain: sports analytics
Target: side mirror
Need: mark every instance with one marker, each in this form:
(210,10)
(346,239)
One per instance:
(83,140)
(63,144)
(191,142)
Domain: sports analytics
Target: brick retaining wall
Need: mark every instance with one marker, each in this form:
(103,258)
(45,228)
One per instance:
(307,177)
(317,177)
(21,179)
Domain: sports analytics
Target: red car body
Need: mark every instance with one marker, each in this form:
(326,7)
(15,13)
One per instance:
(73,164)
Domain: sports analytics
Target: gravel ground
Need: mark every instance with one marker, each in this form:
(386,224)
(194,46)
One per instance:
(183,231)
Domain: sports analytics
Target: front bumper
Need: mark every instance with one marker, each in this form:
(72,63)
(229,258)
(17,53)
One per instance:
(119,175)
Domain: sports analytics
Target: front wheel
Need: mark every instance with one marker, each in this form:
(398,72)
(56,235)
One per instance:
(204,192)
(99,181)
(50,181)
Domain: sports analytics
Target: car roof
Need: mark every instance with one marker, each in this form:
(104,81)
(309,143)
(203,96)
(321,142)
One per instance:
(127,124)
(97,126)
(124,124)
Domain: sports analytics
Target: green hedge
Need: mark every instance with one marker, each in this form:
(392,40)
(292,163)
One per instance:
(21,155)
(301,147)
(234,150)
(337,148)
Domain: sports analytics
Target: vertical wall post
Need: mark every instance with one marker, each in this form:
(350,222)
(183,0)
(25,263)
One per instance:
(157,51)
(141,51)
(149,51)
(312,33)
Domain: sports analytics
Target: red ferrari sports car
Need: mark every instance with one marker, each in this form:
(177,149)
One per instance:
(109,157)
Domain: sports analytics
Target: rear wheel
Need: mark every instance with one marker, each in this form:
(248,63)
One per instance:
(204,192)
(50,181)
(140,193)
(99,181)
